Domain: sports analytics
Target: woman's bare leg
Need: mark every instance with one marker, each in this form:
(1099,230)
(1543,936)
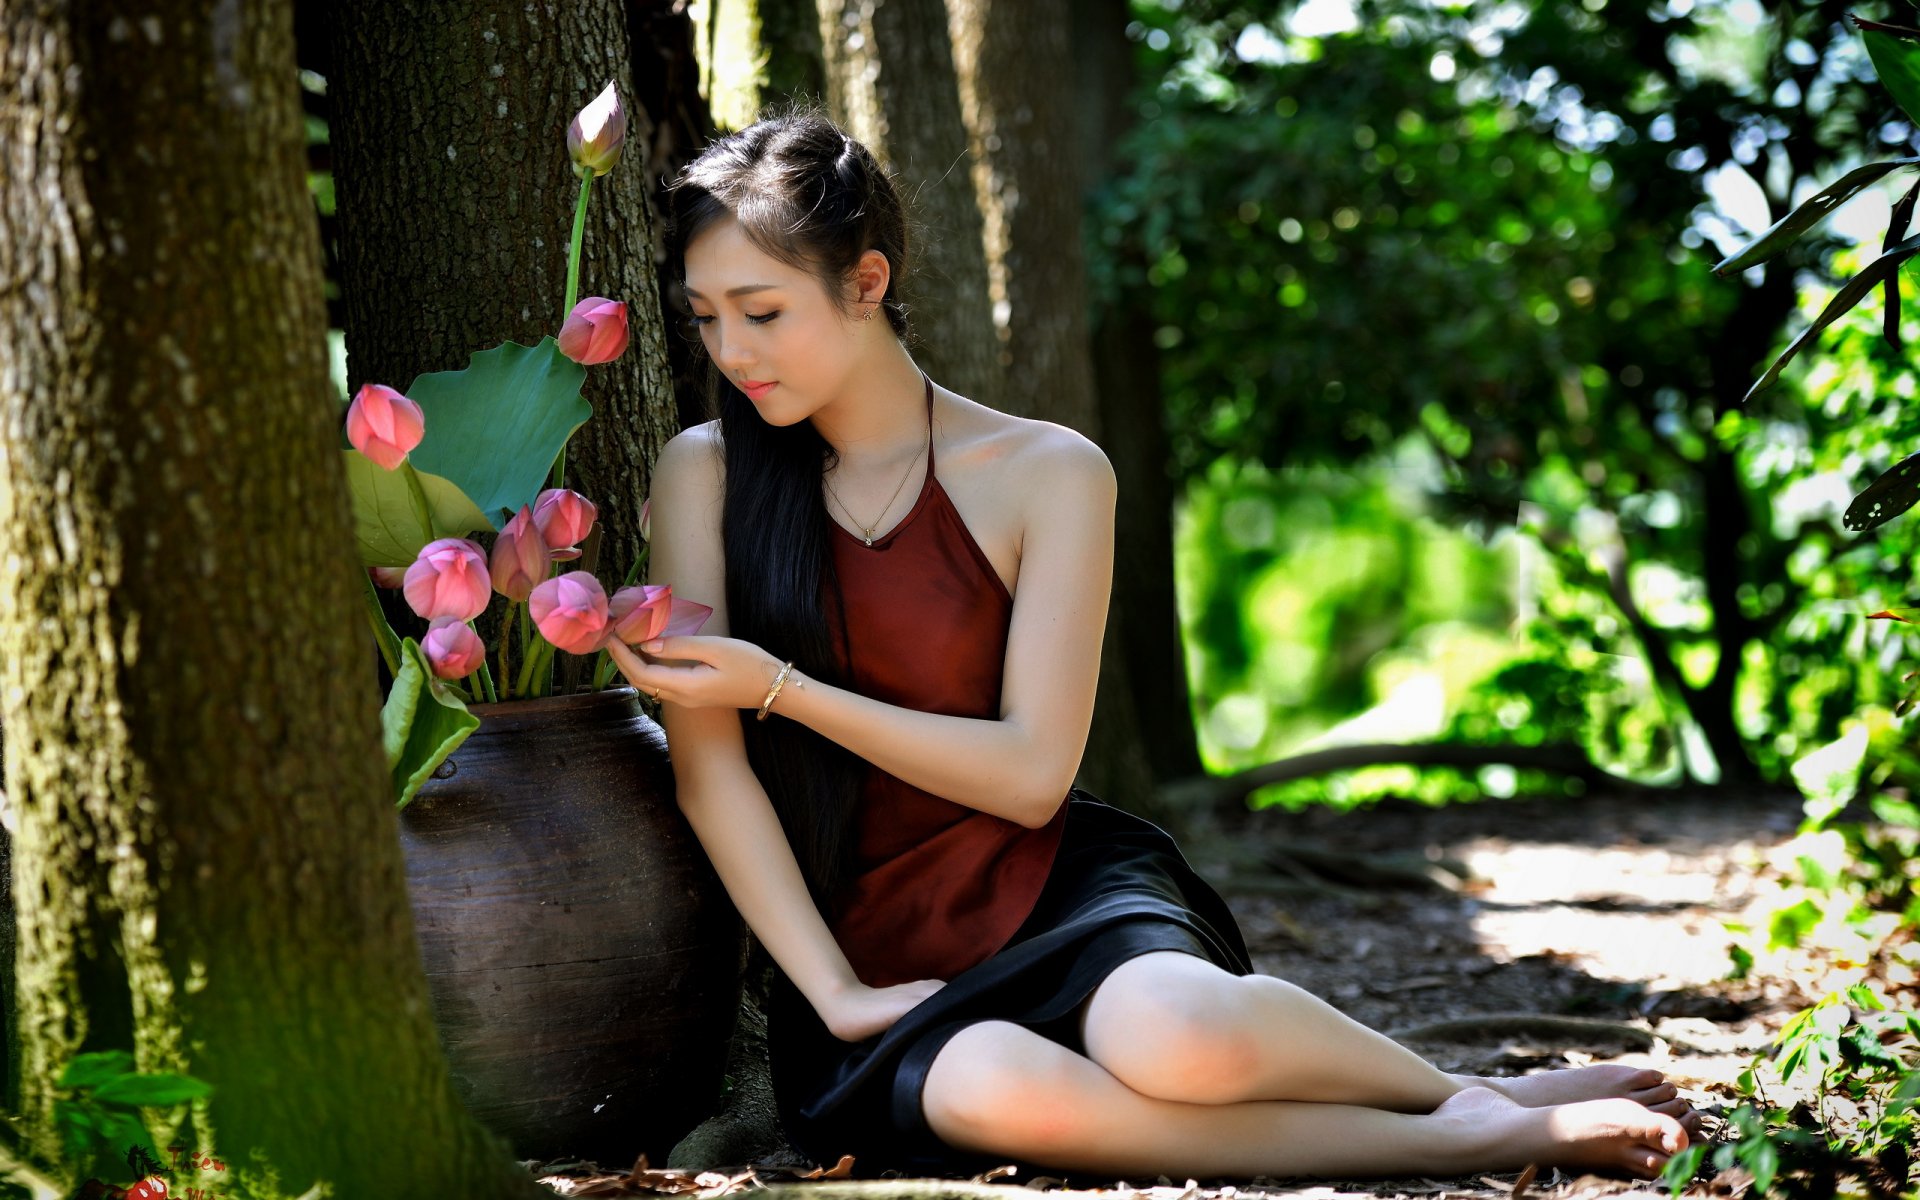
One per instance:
(999,1088)
(1175,1026)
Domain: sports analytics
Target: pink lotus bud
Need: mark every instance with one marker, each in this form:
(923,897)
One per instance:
(384,425)
(449,579)
(453,649)
(388,577)
(598,131)
(571,611)
(640,614)
(564,519)
(520,560)
(646,520)
(595,331)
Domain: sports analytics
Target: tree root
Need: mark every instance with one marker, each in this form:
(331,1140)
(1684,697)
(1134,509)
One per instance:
(1544,1025)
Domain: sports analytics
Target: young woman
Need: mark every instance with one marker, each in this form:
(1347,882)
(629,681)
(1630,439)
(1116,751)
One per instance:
(875,740)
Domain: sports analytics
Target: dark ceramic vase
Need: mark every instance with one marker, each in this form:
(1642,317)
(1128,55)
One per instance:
(584,960)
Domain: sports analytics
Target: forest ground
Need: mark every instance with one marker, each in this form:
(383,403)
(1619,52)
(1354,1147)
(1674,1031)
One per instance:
(1606,909)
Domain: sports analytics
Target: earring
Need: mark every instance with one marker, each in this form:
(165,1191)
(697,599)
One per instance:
(871,311)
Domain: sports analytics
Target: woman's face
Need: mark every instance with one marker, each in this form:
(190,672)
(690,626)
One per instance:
(765,322)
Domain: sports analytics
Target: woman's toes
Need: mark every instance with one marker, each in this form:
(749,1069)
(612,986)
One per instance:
(1651,1096)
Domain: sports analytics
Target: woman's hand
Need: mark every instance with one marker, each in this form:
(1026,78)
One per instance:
(699,672)
(860,1012)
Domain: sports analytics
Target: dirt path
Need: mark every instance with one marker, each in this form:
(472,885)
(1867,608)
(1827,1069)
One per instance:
(1605,910)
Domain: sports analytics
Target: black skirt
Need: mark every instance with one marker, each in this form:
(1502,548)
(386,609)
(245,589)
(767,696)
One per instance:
(1119,888)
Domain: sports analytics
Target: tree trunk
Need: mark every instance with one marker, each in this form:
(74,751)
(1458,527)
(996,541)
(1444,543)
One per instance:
(891,83)
(456,200)
(207,863)
(1126,376)
(1016,75)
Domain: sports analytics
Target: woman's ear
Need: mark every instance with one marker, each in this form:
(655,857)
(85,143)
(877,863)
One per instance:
(872,274)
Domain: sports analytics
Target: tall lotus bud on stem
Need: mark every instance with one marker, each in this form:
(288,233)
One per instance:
(449,579)
(384,425)
(640,614)
(453,649)
(520,559)
(598,131)
(564,519)
(595,331)
(571,611)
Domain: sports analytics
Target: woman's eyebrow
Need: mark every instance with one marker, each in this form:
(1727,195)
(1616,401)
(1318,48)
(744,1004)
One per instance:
(739,291)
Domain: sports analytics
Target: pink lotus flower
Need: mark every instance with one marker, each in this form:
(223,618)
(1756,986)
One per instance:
(640,614)
(563,518)
(571,611)
(595,331)
(386,426)
(453,649)
(388,577)
(520,560)
(598,131)
(449,579)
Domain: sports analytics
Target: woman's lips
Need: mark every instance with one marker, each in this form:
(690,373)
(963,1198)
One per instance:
(757,390)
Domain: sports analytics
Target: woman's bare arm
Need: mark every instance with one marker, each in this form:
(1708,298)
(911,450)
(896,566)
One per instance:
(723,800)
(1021,765)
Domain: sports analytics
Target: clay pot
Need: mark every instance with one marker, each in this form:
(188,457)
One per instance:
(584,960)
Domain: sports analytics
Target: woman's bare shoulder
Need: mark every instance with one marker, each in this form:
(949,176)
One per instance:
(987,436)
(693,457)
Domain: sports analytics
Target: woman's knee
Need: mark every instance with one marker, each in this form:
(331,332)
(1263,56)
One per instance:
(1190,1038)
(997,1085)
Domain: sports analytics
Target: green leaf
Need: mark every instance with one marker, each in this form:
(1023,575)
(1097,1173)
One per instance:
(1742,961)
(1884,499)
(495,428)
(122,1131)
(160,1090)
(1860,1046)
(95,1067)
(1680,1168)
(1787,230)
(1764,1161)
(421,723)
(1897,61)
(385,521)
(1850,293)
(1788,926)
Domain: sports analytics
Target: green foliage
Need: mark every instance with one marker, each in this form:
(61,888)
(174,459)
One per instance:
(1487,229)
(99,1115)
(495,426)
(421,723)
(392,520)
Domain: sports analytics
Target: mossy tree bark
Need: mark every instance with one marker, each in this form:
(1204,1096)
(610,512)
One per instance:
(456,202)
(206,861)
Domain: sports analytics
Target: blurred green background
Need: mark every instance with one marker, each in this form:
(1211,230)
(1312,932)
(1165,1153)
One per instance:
(1455,400)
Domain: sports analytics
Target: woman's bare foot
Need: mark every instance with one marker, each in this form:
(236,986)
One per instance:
(1642,1085)
(1614,1135)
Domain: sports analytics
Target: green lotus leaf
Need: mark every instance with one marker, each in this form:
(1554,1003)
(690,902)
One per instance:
(386,521)
(495,428)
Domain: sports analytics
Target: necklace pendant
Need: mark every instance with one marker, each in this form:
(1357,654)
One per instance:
(869,541)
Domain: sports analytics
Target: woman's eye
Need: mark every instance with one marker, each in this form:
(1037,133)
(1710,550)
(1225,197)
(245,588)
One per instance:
(761,320)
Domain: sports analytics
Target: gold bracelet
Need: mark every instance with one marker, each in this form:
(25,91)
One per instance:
(779,681)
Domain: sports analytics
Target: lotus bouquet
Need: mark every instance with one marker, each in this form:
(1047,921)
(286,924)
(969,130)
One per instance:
(466,452)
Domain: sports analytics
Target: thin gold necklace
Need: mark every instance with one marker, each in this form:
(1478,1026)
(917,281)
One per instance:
(867,530)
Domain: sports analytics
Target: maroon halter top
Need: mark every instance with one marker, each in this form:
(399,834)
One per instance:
(937,886)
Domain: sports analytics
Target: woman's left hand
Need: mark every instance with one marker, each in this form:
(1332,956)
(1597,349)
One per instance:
(699,672)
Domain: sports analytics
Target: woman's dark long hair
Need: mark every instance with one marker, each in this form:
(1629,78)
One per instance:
(808,195)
